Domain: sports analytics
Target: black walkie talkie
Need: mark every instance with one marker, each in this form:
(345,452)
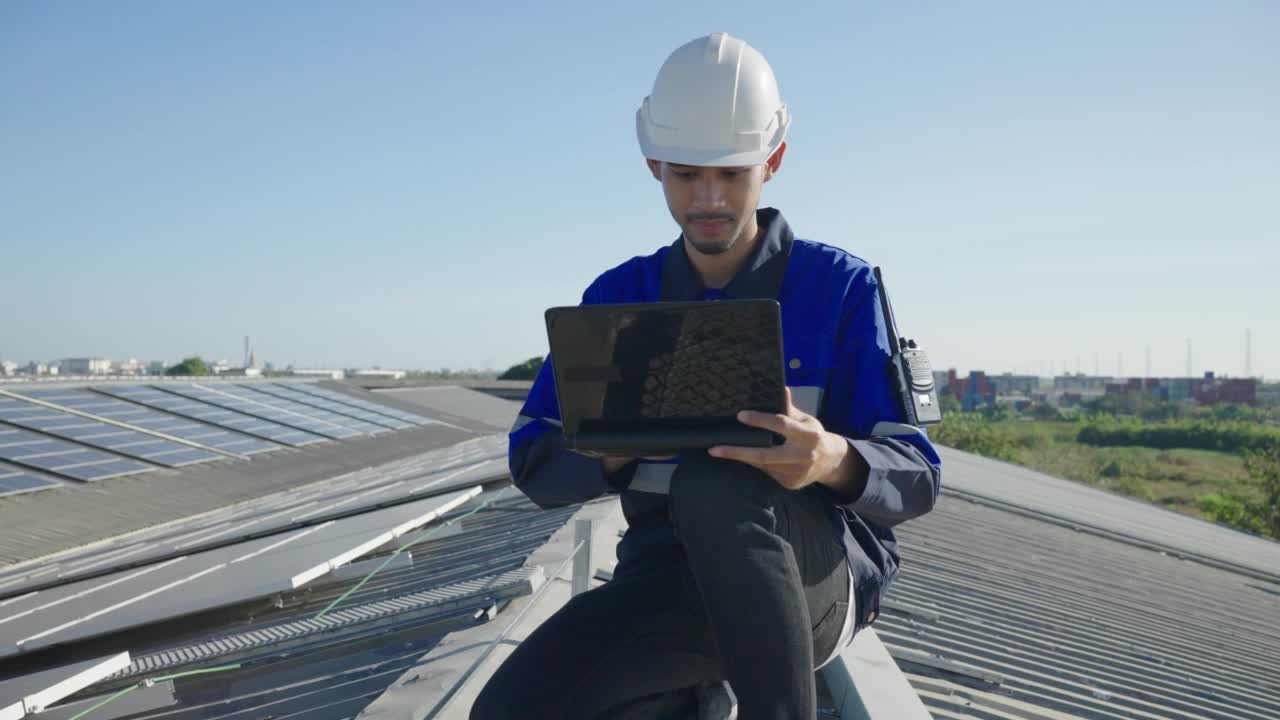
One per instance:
(910,371)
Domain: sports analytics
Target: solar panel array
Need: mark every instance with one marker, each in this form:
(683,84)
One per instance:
(101,435)
(15,480)
(45,453)
(152,420)
(196,410)
(93,434)
(288,392)
(326,393)
(360,426)
(225,396)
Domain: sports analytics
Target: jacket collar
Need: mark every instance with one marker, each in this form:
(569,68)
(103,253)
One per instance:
(760,277)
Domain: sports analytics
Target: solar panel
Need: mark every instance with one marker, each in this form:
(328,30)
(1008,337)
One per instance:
(155,421)
(263,410)
(63,458)
(99,434)
(244,392)
(212,414)
(14,480)
(289,393)
(313,389)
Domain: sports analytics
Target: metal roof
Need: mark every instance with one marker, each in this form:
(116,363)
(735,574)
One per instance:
(1011,612)
(302,582)
(73,514)
(468,407)
(1022,595)
(1125,519)
(462,465)
(328,649)
(202,581)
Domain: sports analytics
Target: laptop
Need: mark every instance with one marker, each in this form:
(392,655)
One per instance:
(656,379)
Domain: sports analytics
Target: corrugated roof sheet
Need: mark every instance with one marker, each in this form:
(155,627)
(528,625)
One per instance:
(469,408)
(1022,595)
(1076,504)
(72,515)
(1000,615)
(295,661)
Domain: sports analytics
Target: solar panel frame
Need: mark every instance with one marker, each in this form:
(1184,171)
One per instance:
(141,446)
(286,392)
(183,406)
(260,410)
(148,419)
(313,389)
(24,448)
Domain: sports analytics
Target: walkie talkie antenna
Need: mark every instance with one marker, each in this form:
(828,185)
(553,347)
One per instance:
(895,341)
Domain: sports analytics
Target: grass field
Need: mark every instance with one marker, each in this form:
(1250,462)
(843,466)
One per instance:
(1171,478)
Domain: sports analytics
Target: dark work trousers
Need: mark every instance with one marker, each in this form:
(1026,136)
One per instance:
(760,590)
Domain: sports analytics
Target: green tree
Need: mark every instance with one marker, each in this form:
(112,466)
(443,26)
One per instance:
(1256,514)
(189,366)
(973,433)
(1264,466)
(1163,411)
(1104,405)
(1046,412)
(526,370)
(995,412)
(949,404)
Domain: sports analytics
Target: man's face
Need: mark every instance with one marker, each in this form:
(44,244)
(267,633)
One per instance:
(712,205)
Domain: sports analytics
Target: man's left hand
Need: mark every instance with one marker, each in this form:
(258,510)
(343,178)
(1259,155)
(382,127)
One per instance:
(810,453)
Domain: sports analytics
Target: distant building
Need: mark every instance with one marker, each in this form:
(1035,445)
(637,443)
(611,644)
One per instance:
(1021,385)
(1125,387)
(971,392)
(128,367)
(317,373)
(85,366)
(34,368)
(242,372)
(942,379)
(156,367)
(1070,399)
(8,368)
(377,373)
(1082,384)
(1207,390)
(977,391)
(1234,390)
(1180,389)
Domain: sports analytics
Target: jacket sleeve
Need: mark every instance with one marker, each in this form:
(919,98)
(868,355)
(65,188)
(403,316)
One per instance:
(540,465)
(904,473)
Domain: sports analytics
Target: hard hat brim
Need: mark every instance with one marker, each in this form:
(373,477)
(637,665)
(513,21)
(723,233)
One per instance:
(705,158)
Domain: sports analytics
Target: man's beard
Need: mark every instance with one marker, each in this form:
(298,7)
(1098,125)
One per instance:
(711,246)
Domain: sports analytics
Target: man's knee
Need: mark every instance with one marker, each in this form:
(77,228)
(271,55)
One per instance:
(490,703)
(705,488)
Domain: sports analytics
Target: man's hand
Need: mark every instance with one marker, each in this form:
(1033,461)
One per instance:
(809,455)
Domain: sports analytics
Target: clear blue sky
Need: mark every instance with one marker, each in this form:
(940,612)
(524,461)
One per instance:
(411,184)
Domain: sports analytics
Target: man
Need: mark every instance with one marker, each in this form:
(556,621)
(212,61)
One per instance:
(752,565)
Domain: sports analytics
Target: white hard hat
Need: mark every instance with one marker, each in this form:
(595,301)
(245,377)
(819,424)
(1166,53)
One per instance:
(715,103)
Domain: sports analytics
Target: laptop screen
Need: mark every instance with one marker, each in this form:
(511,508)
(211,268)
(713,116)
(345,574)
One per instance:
(632,367)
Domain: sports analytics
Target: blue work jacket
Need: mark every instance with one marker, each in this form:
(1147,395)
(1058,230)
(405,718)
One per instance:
(836,350)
